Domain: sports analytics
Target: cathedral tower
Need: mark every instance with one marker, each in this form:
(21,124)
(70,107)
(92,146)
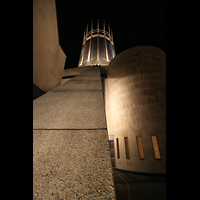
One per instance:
(98,47)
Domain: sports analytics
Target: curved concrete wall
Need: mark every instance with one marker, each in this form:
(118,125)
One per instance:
(136,106)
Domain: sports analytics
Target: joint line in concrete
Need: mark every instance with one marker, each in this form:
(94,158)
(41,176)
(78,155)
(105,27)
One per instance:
(73,90)
(69,129)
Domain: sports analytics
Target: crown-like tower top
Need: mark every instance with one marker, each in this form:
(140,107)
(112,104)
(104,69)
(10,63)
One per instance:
(98,47)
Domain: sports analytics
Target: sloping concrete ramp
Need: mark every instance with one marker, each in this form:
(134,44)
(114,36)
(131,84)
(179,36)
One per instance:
(71,158)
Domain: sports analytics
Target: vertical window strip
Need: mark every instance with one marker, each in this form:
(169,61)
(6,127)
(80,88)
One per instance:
(155,146)
(127,148)
(117,141)
(140,147)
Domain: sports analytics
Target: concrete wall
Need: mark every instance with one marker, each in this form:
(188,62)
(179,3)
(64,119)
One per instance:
(77,70)
(73,71)
(48,57)
(71,157)
(136,106)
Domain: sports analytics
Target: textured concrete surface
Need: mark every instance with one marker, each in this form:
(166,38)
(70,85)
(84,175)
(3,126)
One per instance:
(135,97)
(89,76)
(48,57)
(80,85)
(72,105)
(71,164)
(78,70)
(69,110)
(71,158)
(73,71)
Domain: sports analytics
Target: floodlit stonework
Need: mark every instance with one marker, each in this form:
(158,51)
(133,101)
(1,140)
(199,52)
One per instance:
(109,111)
(71,157)
(136,106)
(48,57)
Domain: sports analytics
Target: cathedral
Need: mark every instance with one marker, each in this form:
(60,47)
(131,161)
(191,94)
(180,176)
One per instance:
(107,112)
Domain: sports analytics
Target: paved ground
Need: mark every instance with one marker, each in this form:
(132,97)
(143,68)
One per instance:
(133,186)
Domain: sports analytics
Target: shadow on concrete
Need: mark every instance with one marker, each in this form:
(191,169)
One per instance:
(37,92)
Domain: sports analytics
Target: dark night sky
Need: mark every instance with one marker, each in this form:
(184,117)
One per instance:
(134,23)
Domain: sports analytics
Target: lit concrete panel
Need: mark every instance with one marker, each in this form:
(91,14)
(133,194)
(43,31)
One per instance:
(69,110)
(80,85)
(86,78)
(72,105)
(48,57)
(72,164)
(73,71)
(90,75)
(71,157)
(78,70)
(136,106)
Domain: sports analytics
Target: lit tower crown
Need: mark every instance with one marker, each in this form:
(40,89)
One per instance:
(98,47)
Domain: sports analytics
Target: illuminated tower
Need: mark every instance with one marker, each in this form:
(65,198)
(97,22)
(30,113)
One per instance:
(98,47)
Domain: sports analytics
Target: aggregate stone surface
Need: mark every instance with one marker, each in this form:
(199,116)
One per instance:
(69,110)
(91,74)
(80,85)
(72,164)
(87,78)
(76,104)
(71,158)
